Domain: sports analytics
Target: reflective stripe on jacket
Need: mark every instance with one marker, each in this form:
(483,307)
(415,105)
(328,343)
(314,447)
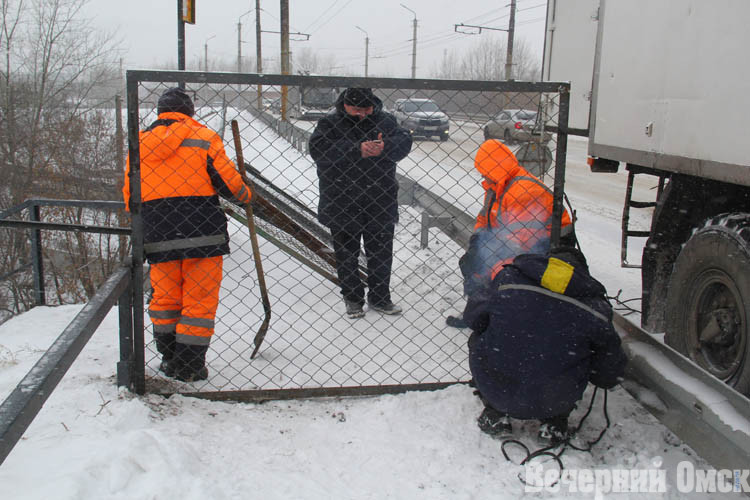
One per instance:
(184,169)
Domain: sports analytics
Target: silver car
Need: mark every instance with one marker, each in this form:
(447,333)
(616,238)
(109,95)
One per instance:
(515,125)
(422,117)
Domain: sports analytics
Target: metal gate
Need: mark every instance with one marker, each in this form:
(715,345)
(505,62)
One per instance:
(311,347)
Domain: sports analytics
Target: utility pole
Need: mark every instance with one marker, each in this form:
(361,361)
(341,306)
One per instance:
(258,52)
(239,40)
(205,53)
(180,41)
(511,29)
(284,54)
(414,44)
(367,48)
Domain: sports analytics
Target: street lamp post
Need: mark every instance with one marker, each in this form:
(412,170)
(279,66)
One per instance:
(367,48)
(205,52)
(239,41)
(414,44)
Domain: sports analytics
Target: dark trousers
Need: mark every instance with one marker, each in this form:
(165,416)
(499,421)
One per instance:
(378,243)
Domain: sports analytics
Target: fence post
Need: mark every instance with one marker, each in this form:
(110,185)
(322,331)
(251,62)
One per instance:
(125,309)
(36,259)
(139,362)
(560,156)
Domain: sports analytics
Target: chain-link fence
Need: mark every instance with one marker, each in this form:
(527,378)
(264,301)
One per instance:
(431,134)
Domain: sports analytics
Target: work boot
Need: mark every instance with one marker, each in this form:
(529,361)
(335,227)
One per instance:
(190,362)
(386,308)
(456,322)
(354,309)
(165,345)
(494,423)
(554,430)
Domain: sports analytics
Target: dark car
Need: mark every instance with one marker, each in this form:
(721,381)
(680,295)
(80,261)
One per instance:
(422,117)
(515,125)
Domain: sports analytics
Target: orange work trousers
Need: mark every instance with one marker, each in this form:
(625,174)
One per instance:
(186,295)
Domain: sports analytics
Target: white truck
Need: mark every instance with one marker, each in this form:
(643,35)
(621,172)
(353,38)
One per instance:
(662,88)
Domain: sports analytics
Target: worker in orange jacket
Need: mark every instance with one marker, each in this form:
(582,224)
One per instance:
(516,218)
(184,169)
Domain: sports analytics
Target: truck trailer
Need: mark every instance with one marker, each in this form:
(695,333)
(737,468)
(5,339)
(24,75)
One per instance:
(660,89)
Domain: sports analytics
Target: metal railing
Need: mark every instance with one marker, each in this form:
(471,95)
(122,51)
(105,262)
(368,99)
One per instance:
(21,407)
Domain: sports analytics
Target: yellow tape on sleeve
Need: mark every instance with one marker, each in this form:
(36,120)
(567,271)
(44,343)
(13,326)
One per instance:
(557,275)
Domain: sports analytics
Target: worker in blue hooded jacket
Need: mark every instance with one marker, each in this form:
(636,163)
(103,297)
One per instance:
(541,332)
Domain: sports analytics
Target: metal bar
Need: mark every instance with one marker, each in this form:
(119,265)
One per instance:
(700,409)
(136,221)
(626,220)
(560,158)
(337,81)
(316,392)
(461,225)
(286,248)
(16,209)
(103,204)
(125,310)
(21,407)
(37,226)
(37,258)
(429,221)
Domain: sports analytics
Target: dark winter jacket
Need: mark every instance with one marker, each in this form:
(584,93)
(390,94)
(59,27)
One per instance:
(184,169)
(355,189)
(542,331)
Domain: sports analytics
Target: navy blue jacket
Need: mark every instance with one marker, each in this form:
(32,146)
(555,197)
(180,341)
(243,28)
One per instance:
(534,350)
(355,189)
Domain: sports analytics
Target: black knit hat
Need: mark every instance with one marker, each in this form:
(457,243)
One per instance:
(359,97)
(176,100)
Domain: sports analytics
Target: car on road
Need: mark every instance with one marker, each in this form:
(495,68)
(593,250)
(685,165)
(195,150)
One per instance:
(515,125)
(422,117)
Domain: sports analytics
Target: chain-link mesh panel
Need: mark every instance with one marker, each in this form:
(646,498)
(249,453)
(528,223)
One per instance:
(311,341)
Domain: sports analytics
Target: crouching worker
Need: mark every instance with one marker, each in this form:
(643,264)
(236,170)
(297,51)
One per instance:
(516,218)
(541,332)
(183,170)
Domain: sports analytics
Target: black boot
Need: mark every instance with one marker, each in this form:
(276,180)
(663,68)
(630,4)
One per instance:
(494,423)
(456,322)
(190,362)
(554,430)
(165,344)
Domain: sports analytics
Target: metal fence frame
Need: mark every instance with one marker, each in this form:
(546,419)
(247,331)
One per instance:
(456,227)
(21,407)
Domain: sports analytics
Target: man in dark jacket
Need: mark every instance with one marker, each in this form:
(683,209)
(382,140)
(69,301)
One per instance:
(541,333)
(356,149)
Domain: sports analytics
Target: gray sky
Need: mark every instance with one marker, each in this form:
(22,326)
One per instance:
(148,29)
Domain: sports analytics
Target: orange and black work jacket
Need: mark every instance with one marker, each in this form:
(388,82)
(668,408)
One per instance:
(514,199)
(184,169)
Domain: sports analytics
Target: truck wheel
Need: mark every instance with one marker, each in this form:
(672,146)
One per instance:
(444,136)
(708,300)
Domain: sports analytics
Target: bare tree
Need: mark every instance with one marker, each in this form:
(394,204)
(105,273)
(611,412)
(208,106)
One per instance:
(311,62)
(486,61)
(54,60)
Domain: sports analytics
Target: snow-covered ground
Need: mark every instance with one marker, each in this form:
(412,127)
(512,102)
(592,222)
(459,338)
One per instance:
(92,440)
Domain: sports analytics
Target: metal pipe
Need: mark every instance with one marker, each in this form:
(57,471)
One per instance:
(37,258)
(139,370)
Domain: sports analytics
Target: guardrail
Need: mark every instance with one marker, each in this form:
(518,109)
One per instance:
(22,406)
(35,223)
(700,409)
